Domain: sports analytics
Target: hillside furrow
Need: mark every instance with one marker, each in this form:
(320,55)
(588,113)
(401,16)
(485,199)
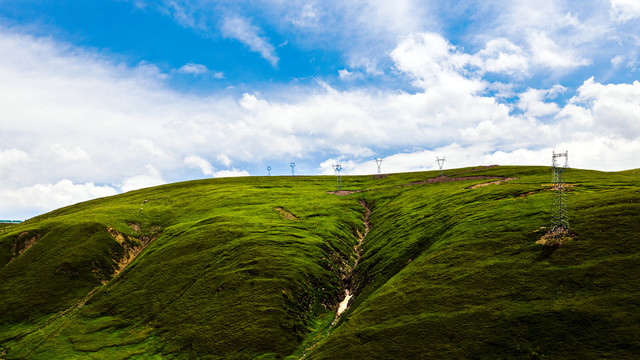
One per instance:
(348,280)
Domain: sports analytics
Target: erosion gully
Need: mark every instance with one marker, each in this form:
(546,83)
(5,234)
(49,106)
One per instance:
(344,304)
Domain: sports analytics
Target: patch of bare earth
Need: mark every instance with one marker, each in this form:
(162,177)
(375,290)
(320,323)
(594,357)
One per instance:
(343,192)
(495,182)
(556,237)
(132,248)
(285,214)
(22,244)
(135,227)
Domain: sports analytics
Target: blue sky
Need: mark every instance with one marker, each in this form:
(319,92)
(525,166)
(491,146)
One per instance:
(103,97)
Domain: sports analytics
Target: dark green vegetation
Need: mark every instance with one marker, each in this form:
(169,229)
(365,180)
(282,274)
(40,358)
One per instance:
(253,268)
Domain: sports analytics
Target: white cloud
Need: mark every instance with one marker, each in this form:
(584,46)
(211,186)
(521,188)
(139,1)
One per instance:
(617,60)
(46,197)
(502,56)
(12,157)
(240,29)
(533,102)
(151,178)
(554,35)
(192,68)
(199,69)
(197,162)
(123,125)
(347,75)
(433,61)
(624,10)
(230,173)
(64,154)
(615,107)
(147,146)
(546,52)
(224,159)
(304,17)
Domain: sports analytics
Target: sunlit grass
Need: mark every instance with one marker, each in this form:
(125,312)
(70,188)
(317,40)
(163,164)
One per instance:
(252,268)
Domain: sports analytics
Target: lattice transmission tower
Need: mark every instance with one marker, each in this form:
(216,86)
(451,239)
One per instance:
(336,170)
(293,166)
(560,211)
(379,163)
(440,164)
(269,170)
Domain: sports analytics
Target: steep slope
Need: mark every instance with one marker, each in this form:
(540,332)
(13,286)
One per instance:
(454,272)
(255,268)
(223,273)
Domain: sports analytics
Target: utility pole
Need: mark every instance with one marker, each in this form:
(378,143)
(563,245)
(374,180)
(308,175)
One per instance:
(378,162)
(560,211)
(440,164)
(336,170)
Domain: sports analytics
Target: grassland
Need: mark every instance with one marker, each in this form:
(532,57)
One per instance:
(253,268)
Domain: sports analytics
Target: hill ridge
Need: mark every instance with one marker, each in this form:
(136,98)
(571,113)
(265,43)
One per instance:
(445,270)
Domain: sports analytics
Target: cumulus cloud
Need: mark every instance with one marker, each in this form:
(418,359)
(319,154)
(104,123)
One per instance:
(230,173)
(532,101)
(224,159)
(502,56)
(546,52)
(241,29)
(21,203)
(197,162)
(80,116)
(615,108)
(151,178)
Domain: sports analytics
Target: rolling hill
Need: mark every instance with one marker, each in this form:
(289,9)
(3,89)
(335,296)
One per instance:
(256,267)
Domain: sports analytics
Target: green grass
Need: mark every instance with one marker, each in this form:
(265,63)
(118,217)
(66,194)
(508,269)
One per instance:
(445,272)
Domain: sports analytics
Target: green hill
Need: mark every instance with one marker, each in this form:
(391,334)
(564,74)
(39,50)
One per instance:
(255,268)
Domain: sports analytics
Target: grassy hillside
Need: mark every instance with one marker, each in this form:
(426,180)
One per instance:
(254,268)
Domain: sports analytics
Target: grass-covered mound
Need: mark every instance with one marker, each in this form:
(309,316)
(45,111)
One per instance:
(255,268)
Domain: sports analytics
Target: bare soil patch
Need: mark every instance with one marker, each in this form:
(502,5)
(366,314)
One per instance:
(556,237)
(496,182)
(135,227)
(286,214)
(132,248)
(345,192)
(20,244)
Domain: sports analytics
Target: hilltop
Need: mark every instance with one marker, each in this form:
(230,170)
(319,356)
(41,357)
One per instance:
(256,268)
